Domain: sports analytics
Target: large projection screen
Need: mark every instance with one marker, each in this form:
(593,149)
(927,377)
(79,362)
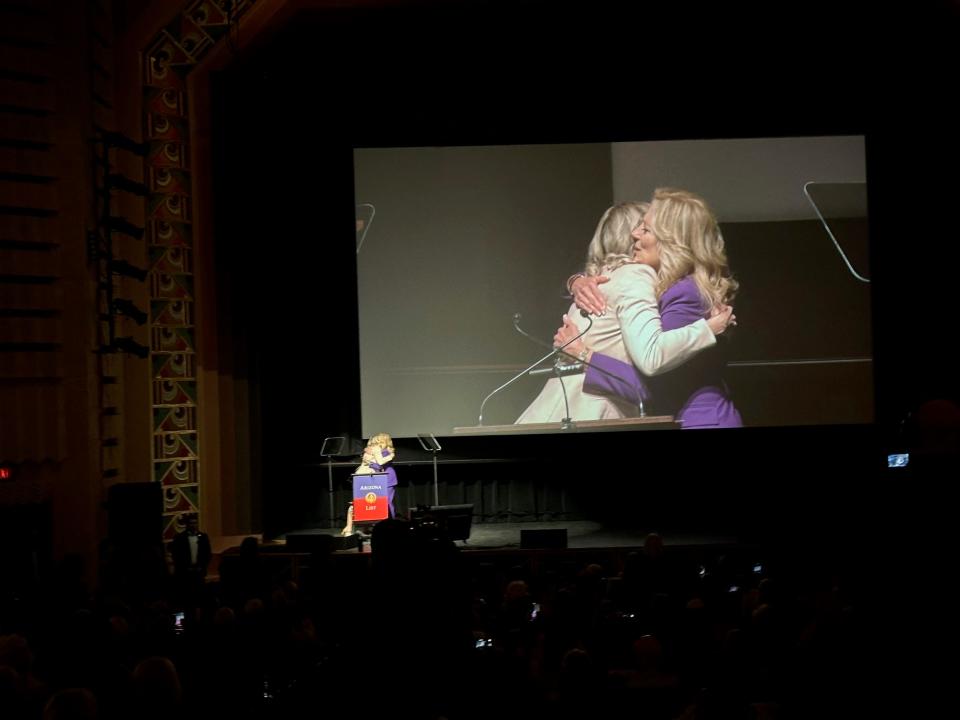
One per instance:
(454,242)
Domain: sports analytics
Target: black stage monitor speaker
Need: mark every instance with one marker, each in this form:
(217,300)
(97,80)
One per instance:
(552,539)
(135,512)
(350,542)
(313,543)
(453,520)
(318,543)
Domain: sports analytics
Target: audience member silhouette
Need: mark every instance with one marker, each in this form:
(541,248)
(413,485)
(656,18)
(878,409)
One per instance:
(419,577)
(71,704)
(157,690)
(580,687)
(648,690)
(244,576)
(19,686)
(782,645)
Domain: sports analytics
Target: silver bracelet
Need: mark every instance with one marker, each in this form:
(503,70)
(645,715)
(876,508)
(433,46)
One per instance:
(571,280)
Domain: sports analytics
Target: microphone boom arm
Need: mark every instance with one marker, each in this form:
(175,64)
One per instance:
(553,352)
(554,371)
(528,336)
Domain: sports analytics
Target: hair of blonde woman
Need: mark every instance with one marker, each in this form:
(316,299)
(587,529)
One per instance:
(690,243)
(612,244)
(383,440)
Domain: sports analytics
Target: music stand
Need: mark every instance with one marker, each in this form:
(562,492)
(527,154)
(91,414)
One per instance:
(331,446)
(429,443)
(454,521)
(837,204)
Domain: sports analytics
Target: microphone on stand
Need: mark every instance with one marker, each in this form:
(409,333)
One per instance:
(516,326)
(571,369)
(553,351)
(559,370)
(363,226)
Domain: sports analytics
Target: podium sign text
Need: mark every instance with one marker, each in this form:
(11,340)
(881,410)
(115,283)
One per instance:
(370,497)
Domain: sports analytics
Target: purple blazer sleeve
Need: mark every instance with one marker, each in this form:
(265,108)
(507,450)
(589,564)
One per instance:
(608,376)
(679,306)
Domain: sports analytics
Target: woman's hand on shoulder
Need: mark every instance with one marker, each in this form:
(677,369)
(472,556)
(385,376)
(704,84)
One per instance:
(587,295)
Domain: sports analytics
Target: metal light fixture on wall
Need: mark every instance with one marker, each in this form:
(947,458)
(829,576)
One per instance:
(122,225)
(130,346)
(122,267)
(111,139)
(121,182)
(125,307)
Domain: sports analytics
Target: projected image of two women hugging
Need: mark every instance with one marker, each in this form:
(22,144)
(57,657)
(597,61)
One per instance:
(658,288)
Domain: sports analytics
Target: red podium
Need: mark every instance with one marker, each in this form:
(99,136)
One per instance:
(370,497)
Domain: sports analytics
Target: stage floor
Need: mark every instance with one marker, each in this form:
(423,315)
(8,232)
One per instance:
(580,534)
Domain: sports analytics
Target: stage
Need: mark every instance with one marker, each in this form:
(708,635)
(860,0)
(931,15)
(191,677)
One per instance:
(580,534)
(563,546)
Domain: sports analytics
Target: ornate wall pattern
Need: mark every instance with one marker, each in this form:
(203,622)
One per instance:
(167,62)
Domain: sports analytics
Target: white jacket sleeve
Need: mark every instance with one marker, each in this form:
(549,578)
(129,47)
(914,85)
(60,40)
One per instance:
(652,349)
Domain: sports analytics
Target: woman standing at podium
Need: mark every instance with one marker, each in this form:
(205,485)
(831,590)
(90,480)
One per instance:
(377,458)
(632,334)
(381,453)
(679,238)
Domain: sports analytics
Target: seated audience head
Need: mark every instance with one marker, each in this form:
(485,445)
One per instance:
(157,687)
(249,548)
(647,652)
(71,704)
(15,653)
(935,427)
(224,617)
(653,546)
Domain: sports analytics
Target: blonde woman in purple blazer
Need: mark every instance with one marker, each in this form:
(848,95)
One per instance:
(631,334)
(680,240)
